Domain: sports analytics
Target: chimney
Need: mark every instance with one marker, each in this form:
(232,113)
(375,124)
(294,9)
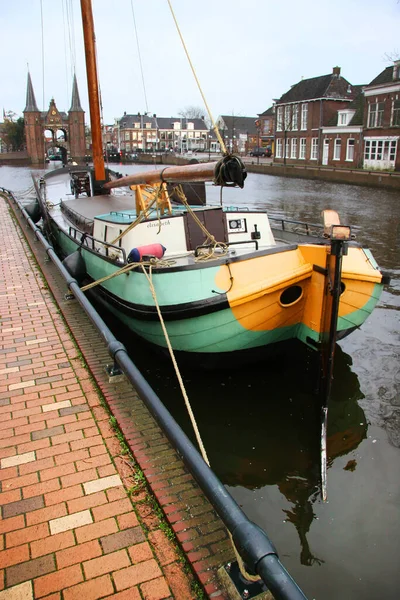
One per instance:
(396,70)
(336,71)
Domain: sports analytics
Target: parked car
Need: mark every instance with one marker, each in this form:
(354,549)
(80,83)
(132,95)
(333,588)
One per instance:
(260,152)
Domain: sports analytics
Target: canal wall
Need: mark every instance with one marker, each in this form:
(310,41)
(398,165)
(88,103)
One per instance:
(379,179)
(18,159)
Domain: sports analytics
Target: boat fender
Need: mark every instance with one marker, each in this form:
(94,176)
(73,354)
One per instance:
(75,265)
(33,211)
(136,254)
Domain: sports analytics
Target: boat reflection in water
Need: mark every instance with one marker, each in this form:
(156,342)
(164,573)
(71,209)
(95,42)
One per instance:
(261,426)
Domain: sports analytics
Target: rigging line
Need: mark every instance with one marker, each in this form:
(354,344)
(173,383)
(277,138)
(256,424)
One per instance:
(216,130)
(42,24)
(69,38)
(65,49)
(140,58)
(73,34)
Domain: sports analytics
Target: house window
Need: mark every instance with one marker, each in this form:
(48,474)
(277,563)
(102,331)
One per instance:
(396,113)
(314,149)
(190,126)
(336,149)
(134,135)
(148,125)
(127,136)
(293,153)
(342,119)
(137,125)
(304,113)
(375,117)
(287,147)
(287,117)
(303,146)
(295,117)
(278,148)
(279,118)
(350,149)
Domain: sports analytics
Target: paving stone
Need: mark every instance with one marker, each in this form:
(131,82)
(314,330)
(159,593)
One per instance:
(30,570)
(122,539)
(18,459)
(23,591)
(22,506)
(73,521)
(56,406)
(103,483)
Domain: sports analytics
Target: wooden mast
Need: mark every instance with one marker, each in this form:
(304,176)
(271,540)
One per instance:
(93,90)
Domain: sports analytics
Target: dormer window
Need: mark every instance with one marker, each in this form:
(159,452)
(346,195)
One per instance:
(345,116)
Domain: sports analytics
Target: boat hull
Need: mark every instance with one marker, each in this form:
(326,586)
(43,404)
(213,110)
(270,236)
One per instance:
(235,308)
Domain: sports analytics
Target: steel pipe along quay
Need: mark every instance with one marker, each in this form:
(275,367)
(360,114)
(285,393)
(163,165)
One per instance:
(251,541)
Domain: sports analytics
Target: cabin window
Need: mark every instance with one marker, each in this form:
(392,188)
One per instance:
(337,148)
(314,149)
(350,149)
(291,295)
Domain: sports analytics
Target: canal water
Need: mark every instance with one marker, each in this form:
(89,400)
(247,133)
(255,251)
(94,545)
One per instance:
(260,424)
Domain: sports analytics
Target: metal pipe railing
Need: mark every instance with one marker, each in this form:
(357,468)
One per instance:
(253,544)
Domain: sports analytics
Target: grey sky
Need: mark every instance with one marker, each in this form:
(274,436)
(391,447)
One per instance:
(245,52)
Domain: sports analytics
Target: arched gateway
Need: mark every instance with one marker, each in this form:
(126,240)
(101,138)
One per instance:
(54,129)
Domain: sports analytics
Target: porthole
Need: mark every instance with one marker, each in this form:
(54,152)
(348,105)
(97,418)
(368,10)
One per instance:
(291,295)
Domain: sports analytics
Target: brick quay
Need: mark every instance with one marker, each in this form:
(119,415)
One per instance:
(95,503)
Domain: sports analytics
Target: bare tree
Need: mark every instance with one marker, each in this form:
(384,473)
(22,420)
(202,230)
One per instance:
(391,56)
(195,112)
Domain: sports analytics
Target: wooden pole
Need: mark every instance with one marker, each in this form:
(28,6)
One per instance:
(178,174)
(93,89)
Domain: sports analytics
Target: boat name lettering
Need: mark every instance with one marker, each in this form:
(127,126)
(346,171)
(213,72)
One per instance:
(157,223)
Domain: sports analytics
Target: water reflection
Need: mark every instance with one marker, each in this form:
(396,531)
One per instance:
(261,427)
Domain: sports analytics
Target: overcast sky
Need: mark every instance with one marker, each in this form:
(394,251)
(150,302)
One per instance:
(246,52)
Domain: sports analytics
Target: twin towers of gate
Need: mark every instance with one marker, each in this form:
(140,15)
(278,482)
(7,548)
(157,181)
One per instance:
(54,128)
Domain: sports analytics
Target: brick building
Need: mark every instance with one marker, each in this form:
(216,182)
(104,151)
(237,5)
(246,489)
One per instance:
(303,111)
(266,125)
(382,120)
(239,133)
(149,133)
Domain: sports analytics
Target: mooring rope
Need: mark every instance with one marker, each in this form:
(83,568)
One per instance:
(149,277)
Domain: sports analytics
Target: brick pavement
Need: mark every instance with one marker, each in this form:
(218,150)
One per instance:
(68,529)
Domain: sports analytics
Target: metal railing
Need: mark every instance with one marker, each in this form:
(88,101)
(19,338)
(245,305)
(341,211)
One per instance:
(257,551)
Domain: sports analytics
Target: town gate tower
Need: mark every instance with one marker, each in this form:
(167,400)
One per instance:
(54,131)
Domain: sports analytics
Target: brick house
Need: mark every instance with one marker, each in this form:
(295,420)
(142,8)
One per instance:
(266,124)
(342,139)
(149,133)
(239,133)
(303,111)
(382,120)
